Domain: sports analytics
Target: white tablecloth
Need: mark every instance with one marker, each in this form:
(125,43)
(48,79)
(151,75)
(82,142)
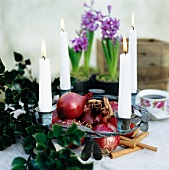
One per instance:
(142,159)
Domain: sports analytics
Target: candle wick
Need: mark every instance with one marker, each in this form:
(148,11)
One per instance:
(132,27)
(43,57)
(125,52)
(62,30)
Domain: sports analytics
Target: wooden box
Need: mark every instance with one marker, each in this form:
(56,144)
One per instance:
(152,63)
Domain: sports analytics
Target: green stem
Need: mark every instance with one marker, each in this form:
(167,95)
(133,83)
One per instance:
(111,54)
(115,57)
(90,36)
(75,59)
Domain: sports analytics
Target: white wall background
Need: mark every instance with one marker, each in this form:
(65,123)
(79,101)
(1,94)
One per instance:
(24,23)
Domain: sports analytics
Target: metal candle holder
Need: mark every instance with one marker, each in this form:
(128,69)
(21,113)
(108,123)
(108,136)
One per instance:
(44,118)
(133,97)
(61,91)
(123,124)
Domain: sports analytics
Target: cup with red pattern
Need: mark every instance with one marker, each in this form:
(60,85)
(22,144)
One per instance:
(155,101)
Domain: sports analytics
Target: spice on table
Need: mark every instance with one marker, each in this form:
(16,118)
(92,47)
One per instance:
(135,132)
(134,145)
(141,136)
(123,152)
(130,144)
(141,145)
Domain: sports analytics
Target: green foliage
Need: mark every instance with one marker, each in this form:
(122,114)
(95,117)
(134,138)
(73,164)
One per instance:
(46,157)
(37,139)
(16,84)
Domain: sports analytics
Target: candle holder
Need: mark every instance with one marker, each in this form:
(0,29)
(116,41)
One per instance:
(133,97)
(44,118)
(123,124)
(61,91)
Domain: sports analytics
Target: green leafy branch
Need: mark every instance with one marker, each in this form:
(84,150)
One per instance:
(42,152)
(36,139)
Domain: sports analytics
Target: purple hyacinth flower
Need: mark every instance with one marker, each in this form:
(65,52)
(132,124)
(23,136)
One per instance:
(89,21)
(109,7)
(80,43)
(91,18)
(109,27)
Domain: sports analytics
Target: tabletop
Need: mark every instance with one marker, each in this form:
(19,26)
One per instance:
(142,159)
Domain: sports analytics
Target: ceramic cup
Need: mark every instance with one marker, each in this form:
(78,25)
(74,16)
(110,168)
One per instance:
(155,101)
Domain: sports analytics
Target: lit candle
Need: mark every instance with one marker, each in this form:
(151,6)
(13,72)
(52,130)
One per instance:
(133,53)
(64,59)
(45,92)
(124,101)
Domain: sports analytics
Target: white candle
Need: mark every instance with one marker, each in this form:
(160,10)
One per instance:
(133,53)
(124,100)
(45,92)
(64,59)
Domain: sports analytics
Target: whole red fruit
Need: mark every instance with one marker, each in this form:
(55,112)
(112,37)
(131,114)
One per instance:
(71,105)
(108,143)
(55,118)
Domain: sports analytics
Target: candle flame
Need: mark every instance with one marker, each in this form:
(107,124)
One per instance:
(124,44)
(62,24)
(132,21)
(43,49)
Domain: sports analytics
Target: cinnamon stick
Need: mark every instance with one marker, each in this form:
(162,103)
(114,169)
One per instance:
(138,138)
(123,152)
(131,144)
(141,136)
(135,133)
(94,100)
(141,145)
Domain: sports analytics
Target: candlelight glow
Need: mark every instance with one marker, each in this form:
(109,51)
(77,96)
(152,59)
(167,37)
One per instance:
(62,24)
(43,49)
(132,21)
(124,44)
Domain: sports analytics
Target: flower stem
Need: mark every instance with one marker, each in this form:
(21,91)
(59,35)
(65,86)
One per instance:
(90,36)
(111,55)
(75,59)
(115,57)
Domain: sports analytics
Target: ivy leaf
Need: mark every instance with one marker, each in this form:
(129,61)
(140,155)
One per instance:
(19,163)
(72,129)
(28,96)
(44,161)
(18,57)
(21,68)
(19,129)
(28,62)
(19,167)
(9,131)
(42,141)
(6,141)
(75,134)
(12,96)
(29,144)
(31,130)
(57,131)
(1,144)
(2,67)
(2,106)
(63,141)
(9,77)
